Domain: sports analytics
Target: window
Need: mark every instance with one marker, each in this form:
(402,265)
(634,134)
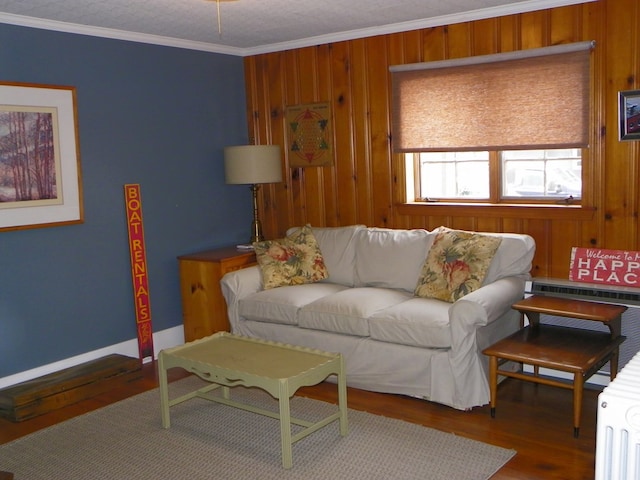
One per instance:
(504,128)
(547,176)
(452,175)
(542,174)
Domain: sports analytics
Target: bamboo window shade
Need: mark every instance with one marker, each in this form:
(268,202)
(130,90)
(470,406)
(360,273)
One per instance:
(529,99)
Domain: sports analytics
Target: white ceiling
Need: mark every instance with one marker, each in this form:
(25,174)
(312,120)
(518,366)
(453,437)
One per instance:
(250,27)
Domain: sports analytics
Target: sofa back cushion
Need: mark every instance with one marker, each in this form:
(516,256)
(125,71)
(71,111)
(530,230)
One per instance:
(390,258)
(337,245)
(513,257)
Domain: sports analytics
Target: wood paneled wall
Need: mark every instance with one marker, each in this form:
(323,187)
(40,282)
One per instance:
(365,183)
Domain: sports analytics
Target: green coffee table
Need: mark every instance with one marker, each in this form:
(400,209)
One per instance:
(228,360)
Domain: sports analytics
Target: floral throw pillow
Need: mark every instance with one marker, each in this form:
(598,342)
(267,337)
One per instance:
(293,260)
(456,264)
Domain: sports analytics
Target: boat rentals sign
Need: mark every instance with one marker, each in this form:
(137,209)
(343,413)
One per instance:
(139,273)
(613,267)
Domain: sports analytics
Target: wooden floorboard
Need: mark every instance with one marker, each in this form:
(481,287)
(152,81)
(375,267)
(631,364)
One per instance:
(534,420)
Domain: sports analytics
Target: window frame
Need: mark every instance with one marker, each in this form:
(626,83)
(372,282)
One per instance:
(495,186)
(584,211)
(592,166)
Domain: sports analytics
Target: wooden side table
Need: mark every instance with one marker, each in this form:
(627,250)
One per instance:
(577,351)
(204,310)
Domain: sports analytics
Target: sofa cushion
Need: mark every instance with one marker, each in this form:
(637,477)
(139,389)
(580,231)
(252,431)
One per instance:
(390,258)
(293,260)
(348,311)
(419,322)
(281,305)
(456,264)
(338,250)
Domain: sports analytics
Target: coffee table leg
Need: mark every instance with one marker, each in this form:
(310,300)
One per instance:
(164,391)
(285,424)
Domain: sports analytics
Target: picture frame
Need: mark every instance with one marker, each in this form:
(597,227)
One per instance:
(309,135)
(629,113)
(40,175)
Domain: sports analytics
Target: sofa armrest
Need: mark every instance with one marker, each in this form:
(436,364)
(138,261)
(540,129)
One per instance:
(487,304)
(237,285)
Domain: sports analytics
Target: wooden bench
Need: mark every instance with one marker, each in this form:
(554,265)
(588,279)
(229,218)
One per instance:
(577,351)
(65,387)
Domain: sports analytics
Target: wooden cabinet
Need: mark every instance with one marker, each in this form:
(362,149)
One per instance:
(204,310)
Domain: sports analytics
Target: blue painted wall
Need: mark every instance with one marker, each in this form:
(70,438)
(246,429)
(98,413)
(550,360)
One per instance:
(153,115)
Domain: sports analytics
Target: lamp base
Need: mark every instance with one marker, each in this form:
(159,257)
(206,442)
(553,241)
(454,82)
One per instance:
(256,232)
(256,226)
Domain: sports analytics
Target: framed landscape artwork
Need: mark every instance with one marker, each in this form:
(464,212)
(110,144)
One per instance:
(629,112)
(40,178)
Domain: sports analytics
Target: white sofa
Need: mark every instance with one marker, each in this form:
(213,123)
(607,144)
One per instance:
(392,340)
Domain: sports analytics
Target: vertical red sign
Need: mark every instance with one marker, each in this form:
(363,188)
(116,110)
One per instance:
(139,270)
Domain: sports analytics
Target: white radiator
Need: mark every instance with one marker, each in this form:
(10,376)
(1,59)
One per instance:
(618,427)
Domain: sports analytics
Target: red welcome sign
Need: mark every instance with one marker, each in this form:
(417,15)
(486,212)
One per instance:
(613,267)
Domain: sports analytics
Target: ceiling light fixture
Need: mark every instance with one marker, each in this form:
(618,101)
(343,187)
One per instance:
(218,13)
(219,21)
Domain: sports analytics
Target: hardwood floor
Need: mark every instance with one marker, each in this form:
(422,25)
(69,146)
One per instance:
(534,420)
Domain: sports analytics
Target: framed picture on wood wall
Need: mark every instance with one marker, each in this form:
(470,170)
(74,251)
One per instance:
(309,135)
(40,178)
(629,113)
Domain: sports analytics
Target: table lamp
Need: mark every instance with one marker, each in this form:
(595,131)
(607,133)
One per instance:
(253,165)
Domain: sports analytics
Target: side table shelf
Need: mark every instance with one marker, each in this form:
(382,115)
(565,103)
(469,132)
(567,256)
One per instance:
(577,351)
(204,310)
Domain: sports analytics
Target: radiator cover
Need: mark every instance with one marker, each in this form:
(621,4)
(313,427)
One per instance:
(618,427)
(594,292)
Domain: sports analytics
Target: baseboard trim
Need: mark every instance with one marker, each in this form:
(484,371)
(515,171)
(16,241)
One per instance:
(163,339)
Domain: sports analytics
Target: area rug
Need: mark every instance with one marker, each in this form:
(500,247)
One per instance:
(125,441)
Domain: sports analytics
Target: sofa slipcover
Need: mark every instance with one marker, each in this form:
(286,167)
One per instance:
(392,340)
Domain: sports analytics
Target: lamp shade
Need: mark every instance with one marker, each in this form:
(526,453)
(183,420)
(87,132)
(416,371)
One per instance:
(252,164)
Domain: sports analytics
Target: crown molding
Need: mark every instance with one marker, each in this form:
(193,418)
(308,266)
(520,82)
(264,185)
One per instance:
(479,14)
(44,24)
